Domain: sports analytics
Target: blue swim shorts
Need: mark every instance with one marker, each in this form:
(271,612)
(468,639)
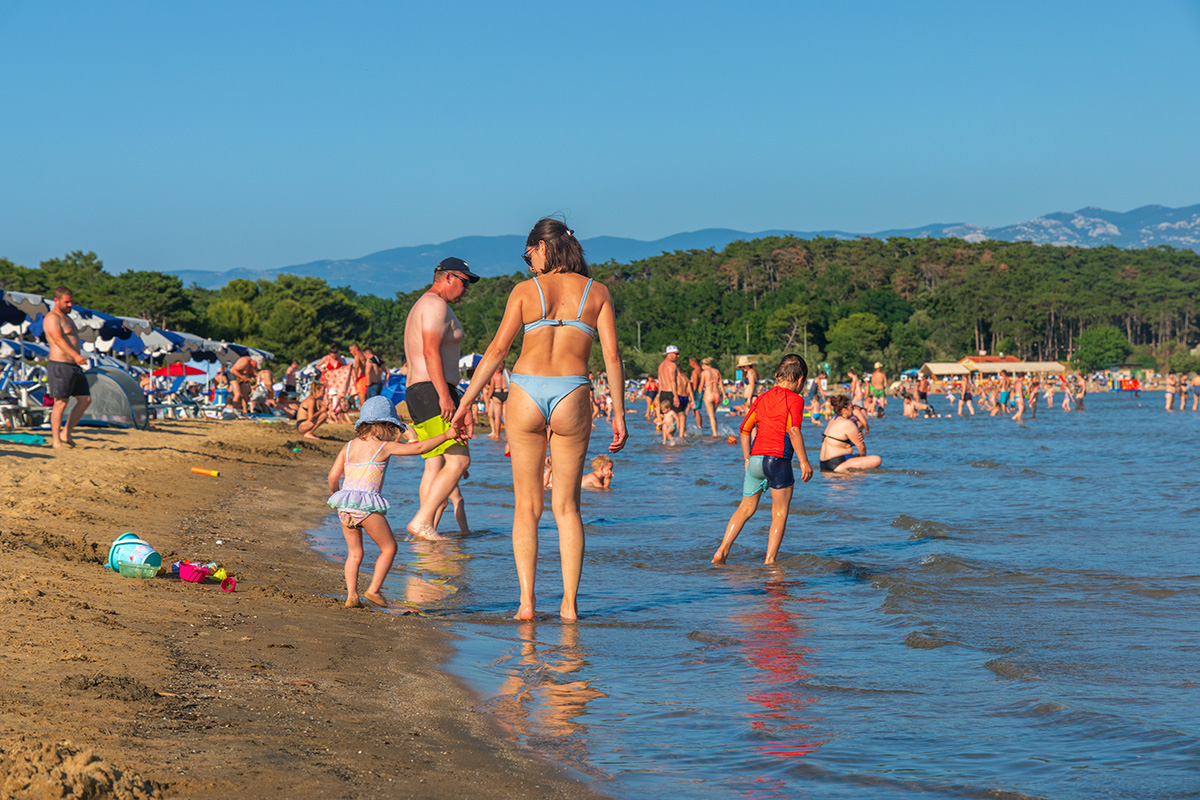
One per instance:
(767,471)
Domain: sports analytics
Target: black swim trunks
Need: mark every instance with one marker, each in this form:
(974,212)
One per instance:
(66,380)
(500,396)
(423,403)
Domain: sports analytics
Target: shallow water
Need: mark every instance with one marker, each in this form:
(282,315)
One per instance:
(1004,610)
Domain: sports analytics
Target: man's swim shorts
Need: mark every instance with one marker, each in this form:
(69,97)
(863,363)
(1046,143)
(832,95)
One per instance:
(426,412)
(66,380)
(767,471)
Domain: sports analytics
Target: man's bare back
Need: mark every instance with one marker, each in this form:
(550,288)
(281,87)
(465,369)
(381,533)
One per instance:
(430,317)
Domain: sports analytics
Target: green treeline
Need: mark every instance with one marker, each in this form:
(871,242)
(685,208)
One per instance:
(847,303)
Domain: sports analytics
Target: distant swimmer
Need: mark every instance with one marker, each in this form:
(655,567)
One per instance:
(775,421)
(713,389)
(1195,391)
(601,475)
(879,389)
(841,436)
(964,399)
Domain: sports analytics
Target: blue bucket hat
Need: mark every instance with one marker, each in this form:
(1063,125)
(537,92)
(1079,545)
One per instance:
(378,409)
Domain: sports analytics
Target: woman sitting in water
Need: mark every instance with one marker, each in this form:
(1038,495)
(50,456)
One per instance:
(841,437)
(561,311)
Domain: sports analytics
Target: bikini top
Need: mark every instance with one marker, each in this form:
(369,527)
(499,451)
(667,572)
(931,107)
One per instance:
(558,323)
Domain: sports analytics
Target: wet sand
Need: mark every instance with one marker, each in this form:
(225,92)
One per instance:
(143,688)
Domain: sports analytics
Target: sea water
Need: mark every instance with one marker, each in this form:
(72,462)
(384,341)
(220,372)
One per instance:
(1003,610)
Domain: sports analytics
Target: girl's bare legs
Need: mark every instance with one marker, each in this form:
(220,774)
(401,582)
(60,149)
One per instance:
(568,449)
(781,501)
(741,516)
(376,526)
(527,446)
(711,407)
(354,557)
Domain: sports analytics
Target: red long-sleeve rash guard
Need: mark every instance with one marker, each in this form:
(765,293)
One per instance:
(773,414)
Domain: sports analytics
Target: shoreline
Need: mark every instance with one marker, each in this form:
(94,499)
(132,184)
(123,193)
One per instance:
(182,690)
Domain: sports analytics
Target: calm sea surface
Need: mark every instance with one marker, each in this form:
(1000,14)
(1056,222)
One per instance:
(1004,610)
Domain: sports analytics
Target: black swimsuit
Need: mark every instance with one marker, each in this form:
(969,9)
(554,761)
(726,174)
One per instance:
(831,464)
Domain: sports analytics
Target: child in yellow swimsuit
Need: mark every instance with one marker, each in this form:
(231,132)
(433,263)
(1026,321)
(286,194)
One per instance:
(359,504)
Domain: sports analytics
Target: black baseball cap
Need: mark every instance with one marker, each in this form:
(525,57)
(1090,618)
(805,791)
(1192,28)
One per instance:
(453,264)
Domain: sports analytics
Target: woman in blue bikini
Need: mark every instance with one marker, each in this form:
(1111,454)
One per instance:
(561,310)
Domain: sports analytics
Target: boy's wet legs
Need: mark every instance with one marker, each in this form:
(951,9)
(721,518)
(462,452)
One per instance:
(741,515)
(781,501)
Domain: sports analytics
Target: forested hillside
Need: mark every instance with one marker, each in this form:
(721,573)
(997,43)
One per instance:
(848,303)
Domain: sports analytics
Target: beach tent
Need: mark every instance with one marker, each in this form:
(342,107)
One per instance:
(941,369)
(117,400)
(1019,367)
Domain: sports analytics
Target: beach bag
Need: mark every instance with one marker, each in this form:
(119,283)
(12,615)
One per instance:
(128,547)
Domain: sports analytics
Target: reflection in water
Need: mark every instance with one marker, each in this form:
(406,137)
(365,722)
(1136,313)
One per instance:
(780,718)
(545,692)
(433,572)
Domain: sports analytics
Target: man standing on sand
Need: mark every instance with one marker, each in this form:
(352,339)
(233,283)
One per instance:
(243,372)
(432,342)
(65,370)
(374,373)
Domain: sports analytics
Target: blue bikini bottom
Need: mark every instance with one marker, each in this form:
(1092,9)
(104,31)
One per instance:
(547,390)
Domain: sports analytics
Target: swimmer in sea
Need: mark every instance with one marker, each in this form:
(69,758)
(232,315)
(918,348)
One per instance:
(841,436)
(1172,388)
(966,397)
(775,419)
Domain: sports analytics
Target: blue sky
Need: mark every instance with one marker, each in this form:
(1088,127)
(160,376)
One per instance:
(214,135)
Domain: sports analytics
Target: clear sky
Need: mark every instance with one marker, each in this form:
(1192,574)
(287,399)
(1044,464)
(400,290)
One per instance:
(213,135)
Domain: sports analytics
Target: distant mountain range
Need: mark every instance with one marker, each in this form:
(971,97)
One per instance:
(407,268)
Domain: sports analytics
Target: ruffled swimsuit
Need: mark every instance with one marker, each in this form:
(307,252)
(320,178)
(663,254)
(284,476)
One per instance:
(359,496)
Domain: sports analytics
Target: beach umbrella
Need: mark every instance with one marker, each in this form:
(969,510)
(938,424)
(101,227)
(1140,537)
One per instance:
(31,305)
(177,369)
(10,348)
(469,361)
(135,325)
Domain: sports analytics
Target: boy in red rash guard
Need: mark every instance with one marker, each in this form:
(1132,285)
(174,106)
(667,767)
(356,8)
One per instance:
(776,415)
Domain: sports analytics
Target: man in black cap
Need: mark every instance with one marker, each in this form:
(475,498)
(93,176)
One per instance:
(432,343)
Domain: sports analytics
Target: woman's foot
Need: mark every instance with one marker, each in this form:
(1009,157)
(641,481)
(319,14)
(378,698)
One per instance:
(353,602)
(376,598)
(568,611)
(526,612)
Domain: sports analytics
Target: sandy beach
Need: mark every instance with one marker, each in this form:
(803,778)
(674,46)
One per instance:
(131,688)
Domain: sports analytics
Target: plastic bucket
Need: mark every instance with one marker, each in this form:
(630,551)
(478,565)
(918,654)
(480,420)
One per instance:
(129,548)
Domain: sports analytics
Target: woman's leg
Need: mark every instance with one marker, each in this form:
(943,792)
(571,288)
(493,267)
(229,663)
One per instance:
(377,527)
(571,425)
(710,405)
(859,462)
(527,447)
